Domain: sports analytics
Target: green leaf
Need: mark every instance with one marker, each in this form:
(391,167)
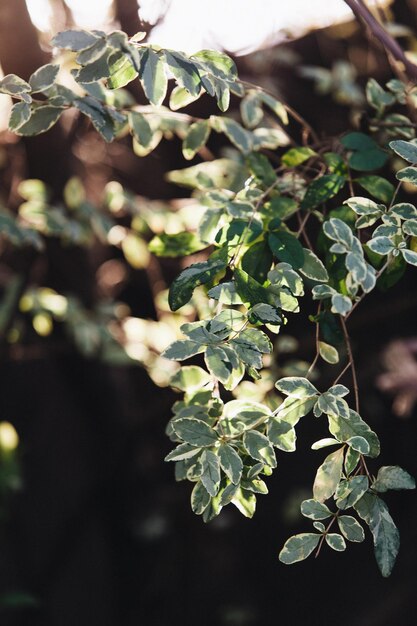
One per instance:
(337,230)
(15,86)
(262,170)
(377,97)
(195,432)
(182,452)
(359,444)
(404,210)
(180,244)
(407,175)
(366,155)
(42,119)
(363,206)
(196,138)
(245,502)
(405,149)
(328,353)
(44,77)
(324,443)
(75,40)
(328,476)
(140,128)
(296,156)
(298,547)
(259,447)
(381,245)
(275,105)
(190,378)
(350,528)
(98,115)
(251,291)
(313,268)
(351,460)
(197,274)
(210,476)
(238,136)
(152,76)
(264,313)
(378,187)
(225,293)
(256,486)
(20,114)
(217,63)
(409,256)
(292,409)
(94,71)
(321,190)
(336,542)
(182,349)
(281,434)
(357,141)
(344,428)
(286,248)
(257,261)
(218,363)
(200,498)
(393,477)
(180,98)
(386,537)
(341,304)
(315,510)
(91,54)
(296,387)
(230,462)
(250,110)
(121,70)
(350,491)
(410,227)
(184,70)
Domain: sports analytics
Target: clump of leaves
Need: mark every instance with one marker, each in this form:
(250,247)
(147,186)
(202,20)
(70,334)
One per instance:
(259,266)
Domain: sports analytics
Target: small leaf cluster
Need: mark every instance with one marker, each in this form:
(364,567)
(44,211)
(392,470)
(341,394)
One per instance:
(354,491)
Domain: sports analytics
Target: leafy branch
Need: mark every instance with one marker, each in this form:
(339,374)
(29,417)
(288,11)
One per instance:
(255,269)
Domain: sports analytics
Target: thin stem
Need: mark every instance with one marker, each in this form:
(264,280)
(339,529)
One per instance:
(316,358)
(363,14)
(397,189)
(342,373)
(352,362)
(393,124)
(332,521)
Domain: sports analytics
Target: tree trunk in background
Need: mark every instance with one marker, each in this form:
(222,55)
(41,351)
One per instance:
(127,14)
(17,36)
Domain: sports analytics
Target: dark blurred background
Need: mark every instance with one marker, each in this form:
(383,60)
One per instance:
(94,529)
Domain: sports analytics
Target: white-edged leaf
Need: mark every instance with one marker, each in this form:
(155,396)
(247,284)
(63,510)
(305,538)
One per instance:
(350,528)
(386,537)
(393,477)
(196,138)
(315,510)
(195,432)
(298,547)
(44,77)
(296,387)
(230,462)
(336,542)
(328,476)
